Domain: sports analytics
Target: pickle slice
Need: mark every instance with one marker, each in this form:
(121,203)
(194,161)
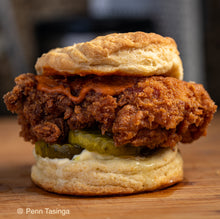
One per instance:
(57,151)
(93,141)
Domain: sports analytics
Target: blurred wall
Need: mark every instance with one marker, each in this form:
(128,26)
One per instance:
(212,47)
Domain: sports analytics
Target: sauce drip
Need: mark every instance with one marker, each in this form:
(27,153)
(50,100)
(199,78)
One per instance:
(108,86)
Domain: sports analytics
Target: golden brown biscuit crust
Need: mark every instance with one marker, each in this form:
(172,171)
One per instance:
(91,176)
(133,54)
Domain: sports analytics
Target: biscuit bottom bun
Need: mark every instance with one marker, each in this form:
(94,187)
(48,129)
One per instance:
(90,173)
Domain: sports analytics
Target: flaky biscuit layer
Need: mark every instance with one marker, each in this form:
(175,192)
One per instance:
(132,54)
(92,174)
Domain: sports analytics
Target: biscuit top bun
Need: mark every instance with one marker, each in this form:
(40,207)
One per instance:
(127,54)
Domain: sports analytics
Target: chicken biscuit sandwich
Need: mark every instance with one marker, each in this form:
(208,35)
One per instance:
(106,115)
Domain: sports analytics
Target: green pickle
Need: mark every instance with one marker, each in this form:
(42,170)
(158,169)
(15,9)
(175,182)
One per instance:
(57,151)
(89,140)
(93,141)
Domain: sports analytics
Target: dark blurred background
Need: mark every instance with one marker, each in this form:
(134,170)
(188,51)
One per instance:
(30,27)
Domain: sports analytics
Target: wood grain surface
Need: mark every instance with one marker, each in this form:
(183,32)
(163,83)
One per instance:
(198,196)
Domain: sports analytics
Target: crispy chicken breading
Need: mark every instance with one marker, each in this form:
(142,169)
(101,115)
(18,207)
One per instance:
(153,111)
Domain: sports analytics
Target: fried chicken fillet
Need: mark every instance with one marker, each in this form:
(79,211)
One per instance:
(153,111)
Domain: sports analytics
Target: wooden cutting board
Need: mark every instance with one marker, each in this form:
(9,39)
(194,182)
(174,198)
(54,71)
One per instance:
(198,196)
